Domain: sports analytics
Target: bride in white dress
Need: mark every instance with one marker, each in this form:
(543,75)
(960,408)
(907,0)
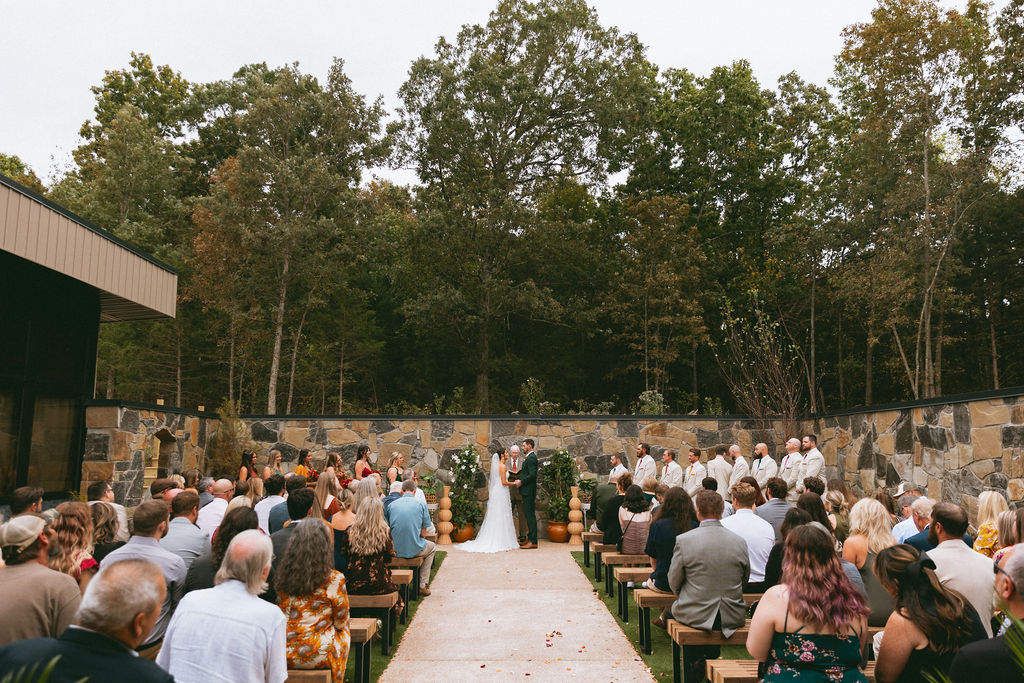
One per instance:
(498,532)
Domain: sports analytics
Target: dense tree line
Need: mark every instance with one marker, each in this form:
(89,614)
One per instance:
(762,249)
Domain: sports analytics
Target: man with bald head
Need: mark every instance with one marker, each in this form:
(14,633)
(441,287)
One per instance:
(210,516)
(791,468)
(740,468)
(763,467)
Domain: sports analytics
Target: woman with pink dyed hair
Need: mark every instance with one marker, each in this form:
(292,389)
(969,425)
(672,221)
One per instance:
(813,625)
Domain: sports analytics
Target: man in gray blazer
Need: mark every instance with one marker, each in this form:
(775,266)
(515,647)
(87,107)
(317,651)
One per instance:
(709,567)
(775,509)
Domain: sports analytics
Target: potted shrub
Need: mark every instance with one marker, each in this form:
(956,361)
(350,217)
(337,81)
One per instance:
(557,477)
(587,487)
(466,509)
(428,484)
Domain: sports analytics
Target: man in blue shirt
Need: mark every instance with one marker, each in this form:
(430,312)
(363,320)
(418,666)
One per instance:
(410,521)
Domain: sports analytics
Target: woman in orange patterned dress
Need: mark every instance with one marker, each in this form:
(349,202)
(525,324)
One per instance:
(314,600)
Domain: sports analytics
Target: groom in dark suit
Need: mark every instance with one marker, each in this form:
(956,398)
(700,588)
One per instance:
(527,484)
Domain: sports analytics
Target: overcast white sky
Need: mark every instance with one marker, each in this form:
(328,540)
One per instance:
(52,51)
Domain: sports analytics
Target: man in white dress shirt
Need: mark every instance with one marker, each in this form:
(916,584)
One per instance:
(791,467)
(694,474)
(740,468)
(671,473)
(618,469)
(759,534)
(645,465)
(273,486)
(227,634)
(763,465)
(813,464)
(211,515)
(720,470)
(957,565)
(908,527)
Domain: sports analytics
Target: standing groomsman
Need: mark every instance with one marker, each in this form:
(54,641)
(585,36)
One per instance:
(720,470)
(763,466)
(694,474)
(791,468)
(740,468)
(813,463)
(671,473)
(618,469)
(645,466)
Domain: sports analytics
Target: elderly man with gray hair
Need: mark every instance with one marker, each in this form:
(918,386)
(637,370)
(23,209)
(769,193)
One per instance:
(227,633)
(117,612)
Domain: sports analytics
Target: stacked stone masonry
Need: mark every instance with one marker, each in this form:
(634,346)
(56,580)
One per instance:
(954,451)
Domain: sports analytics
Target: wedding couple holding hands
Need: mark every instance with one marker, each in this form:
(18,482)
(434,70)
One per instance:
(513,481)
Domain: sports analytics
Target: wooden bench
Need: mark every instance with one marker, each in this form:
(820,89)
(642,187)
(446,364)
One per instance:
(599,550)
(646,599)
(588,538)
(745,671)
(309,676)
(381,607)
(623,575)
(432,537)
(402,578)
(413,563)
(612,560)
(362,631)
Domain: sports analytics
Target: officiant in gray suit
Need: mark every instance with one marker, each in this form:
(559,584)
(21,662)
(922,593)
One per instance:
(709,567)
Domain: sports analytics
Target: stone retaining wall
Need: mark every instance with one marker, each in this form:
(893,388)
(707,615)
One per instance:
(953,450)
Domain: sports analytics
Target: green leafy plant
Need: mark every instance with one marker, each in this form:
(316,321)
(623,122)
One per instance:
(649,403)
(32,674)
(588,485)
(557,476)
(428,483)
(466,509)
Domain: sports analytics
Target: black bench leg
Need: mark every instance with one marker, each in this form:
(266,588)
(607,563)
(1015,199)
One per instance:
(609,583)
(415,583)
(643,615)
(387,638)
(624,601)
(586,553)
(597,566)
(677,669)
(363,651)
(403,592)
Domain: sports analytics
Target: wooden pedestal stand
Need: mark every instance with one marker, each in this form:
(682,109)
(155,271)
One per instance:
(575,518)
(444,517)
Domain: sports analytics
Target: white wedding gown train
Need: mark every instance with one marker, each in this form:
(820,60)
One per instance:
(498,531)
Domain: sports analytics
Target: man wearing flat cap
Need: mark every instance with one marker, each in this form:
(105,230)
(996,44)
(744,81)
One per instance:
(37,601)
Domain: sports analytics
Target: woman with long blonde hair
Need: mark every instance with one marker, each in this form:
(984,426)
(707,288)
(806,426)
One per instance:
(73,528)
(326,494)
(870,533)
(255,492)
(366,488)
(991,504)
(369,550)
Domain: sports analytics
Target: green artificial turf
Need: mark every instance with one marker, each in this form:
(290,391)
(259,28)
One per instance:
(379,662)
(660,660)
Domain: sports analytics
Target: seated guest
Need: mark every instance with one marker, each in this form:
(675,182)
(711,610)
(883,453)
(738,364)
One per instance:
(205,491)
(226,633)
(369,550)
(202,573)
(994,656)
(925,540)
(812,626)
(273,488)
(907,528)
(609,520)
(1007,524)
(649,488)
(635,520)
(278,515)
(160,487)
(211,515)
(711,484)
(869,535)
(673,517)
(958,567)
(991,504)
(326,496)
(364,489)
(843,488)
(811,503)
(26,500)
(312,595)
(255,492)
(150,523)
(104,530)
(775,508)
(758,534)
(73,528)
(184,538)
(240,500)
(708,585)
(342,520)
(757,489)
(814,485)
(883,497)
(930,622)
(191,480)
(37,602)
(300,508)
(410,522)
(599,499)
(838,514)
(773,566)
(119,608)
(394,493)
(406,475)
(103,492)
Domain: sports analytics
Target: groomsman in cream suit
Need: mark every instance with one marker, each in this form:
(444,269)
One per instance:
(618,469)
(763,466)
(645,466)
(709,567)
(721,470)
(791,468)
(671,473)
(813,464)
(694,473)
(740,468)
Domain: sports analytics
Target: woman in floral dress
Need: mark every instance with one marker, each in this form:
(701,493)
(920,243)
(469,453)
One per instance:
(369,550)
(314,598)
(813,625)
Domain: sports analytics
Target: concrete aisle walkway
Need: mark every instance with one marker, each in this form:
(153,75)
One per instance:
(522,614)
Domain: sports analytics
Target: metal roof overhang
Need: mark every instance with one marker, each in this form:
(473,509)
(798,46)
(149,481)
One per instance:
(132,284)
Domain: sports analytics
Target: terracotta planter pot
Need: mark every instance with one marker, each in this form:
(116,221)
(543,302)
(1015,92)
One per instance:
(558,532)
(463,534)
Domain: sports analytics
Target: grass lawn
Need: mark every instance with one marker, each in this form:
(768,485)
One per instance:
(379,662)
(660,660)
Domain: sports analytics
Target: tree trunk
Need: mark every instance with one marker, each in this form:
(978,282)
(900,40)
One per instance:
(839,361)
(110,381)
(275,360)
(939,341)
(341,379)
(231,369)
(868,357)
(992,345)
(906,365)
(177,366)
(696,395)
(295,357)
(647,383)
(812,380)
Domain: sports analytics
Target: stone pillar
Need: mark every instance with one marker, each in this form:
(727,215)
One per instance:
(575,518)
(444,516)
